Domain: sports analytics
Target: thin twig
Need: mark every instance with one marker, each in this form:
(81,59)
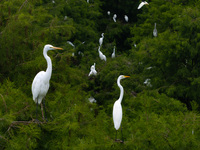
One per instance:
(23,5)
(4,101)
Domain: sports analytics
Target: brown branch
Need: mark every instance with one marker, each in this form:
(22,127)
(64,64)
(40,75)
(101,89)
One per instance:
(4,101)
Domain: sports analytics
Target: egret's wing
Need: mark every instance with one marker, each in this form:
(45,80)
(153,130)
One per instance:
(117,114)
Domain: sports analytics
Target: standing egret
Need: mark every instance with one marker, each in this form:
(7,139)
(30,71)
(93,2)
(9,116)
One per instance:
(101,55)
(108,13)
(117,107)
(126,18)
(155,32)
(113,54)
(114,17)
(142,4)
(40,85)
(101,39)
(92,70)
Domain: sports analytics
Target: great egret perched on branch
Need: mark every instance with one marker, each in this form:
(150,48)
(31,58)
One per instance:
(142,4)
(155,32)
(126,18)
(101,55)
(40,85)
(114,17)
(101,39)
(113,54)
(117,107)
(92,70)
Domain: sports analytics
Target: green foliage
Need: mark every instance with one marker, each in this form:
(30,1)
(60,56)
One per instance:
(162,116)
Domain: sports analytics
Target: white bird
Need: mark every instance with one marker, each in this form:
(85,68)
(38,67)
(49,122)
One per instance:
(87,1)
(53,1)
(40,85)
(126,18)
(65,18)
(135,45)
(114,17)
(148,82)
(113,54)
(101,55)
(108,13)
(142,4)
(117,107)
(71,44)
(92,70)
(92,100)
(101,39)
(155,32)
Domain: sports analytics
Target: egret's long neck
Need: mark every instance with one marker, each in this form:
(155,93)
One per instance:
(121,90)
(49,65)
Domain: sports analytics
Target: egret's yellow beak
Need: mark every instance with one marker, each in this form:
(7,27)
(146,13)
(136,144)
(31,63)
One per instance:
(58,48)
(126,76)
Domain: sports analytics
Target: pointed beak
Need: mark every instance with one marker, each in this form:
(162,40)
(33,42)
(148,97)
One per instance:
(58,48)
(126,76)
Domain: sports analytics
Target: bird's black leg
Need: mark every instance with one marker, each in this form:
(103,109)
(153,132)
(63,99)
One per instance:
(122,136)
(45,113)
(116,136)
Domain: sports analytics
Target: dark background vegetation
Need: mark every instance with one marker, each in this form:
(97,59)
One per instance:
(164,116)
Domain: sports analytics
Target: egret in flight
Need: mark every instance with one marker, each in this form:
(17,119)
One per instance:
(101,39)
(113,54)
(40,85)
(101,55)
(155,32)
(117,107)
(92,70)
(142,4)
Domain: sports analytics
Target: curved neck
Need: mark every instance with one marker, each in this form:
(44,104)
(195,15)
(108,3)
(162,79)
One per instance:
(49,65)
(121,90)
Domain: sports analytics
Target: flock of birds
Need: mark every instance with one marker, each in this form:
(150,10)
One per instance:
(40,84)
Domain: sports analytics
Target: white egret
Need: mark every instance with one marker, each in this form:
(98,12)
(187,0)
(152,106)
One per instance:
(155,32)
(92,70)
(92,100)
(142,4)
(40,85)
(70,43)
(65,18)
(113,54)
(108,13)
(87,1)
(101,39)
(135,45)
(114,17)
(148,82)
(117,107)
(126,18)
(101,55)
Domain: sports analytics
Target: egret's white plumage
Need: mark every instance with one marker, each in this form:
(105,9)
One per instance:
(142,4)
(40,85)
(108,13)
(114,17)
(155,32)
(117,107)
(126,18)
(101,55)
(92,70)
(70,43)
(101,39)
(113,54)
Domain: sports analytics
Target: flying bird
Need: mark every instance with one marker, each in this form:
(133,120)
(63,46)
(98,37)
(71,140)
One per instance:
(117,107)
(113,54)
(92,70)
(126,18)
(142,4)
(155,32)
(114,17)
(101,55)
(40,85)
(101,39)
